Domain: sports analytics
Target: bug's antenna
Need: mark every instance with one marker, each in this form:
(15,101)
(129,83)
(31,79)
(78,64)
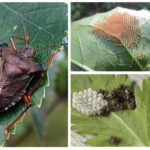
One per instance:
(64,43)
(24,29)
(50,45)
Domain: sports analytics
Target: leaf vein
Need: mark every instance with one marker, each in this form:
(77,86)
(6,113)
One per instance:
(29,21)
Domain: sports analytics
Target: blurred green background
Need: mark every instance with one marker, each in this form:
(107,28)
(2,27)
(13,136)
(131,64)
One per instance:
(81,10)
(47,126)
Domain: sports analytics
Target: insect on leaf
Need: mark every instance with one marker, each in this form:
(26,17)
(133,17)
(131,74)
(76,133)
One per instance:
(44,30)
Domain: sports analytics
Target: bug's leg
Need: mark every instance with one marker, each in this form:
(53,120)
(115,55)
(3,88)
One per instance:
(9,126)
(27,100)
(25,38)
(50,59)
(13,45)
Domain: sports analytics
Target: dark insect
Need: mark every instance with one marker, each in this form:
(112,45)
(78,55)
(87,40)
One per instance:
(105,111)
(104,92)
(20,76)
(120,98)
(114,140)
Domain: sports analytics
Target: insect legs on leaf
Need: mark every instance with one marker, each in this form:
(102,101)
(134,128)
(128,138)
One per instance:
(13,45)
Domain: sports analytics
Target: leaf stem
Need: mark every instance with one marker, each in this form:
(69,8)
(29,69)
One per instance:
(82,66)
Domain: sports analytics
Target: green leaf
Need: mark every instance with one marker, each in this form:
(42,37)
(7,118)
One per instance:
(131,126)
(91,52)
(46,24)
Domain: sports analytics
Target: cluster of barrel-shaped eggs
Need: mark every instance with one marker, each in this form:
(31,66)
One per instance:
(89,102)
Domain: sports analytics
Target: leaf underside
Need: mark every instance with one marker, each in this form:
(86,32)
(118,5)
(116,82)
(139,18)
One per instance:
(46,24)
(131,126)
(91,52)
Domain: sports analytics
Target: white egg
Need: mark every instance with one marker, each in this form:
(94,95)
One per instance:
(89,102)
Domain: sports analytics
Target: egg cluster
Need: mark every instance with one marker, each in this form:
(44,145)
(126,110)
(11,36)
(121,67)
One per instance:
(89,102)
(119,27)
(139,57)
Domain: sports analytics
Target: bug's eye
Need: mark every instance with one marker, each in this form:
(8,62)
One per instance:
(3,45)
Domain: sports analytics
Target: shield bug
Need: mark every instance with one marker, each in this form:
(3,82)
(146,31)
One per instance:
(20,76)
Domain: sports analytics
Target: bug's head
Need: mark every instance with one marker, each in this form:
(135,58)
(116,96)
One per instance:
(27,51)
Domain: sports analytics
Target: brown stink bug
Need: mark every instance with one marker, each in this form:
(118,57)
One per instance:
(20,76)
